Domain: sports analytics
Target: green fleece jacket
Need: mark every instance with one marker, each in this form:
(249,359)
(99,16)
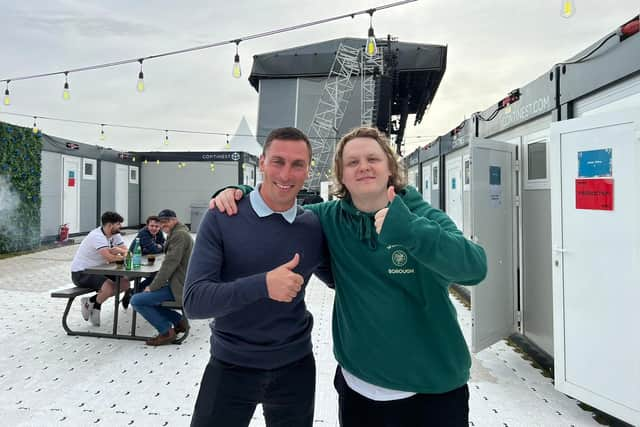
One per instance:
(176,260)
(393,322)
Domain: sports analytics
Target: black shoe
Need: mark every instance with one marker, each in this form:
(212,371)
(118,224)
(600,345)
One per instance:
(126,298)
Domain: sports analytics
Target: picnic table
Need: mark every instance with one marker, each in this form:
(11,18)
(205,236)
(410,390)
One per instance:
(119,272)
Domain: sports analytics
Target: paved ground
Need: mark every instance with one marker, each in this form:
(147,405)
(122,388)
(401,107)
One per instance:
(48,378)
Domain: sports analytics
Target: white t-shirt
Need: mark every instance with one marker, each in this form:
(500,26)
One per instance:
(88,255)
(372,391)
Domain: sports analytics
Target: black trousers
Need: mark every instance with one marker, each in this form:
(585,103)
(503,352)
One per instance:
(229,394)
(449,409)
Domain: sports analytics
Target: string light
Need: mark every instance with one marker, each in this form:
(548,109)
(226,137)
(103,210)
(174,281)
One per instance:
(35,126)
(215,44)
(212,167)
(140,85)
(567,8)
(66,95)
(372,47)
(182,131)
(236,72)
(166,137)
(7,100)
(102,135)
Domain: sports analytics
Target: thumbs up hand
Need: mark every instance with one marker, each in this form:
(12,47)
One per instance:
(382,213)
(283,284)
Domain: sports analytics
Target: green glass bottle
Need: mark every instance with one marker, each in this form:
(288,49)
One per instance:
(128,261)
(137,255)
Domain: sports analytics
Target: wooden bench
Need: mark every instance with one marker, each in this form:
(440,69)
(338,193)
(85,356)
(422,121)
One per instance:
(71,293)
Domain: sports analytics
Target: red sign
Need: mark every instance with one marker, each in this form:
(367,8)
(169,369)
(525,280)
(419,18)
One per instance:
(594,194)
(72,182)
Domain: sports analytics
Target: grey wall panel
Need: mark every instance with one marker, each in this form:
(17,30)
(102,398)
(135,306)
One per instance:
(538,297)
(539,124)
(134,208)
(107,186)
(309,91)
(165,186)
(351,117)
(51,194)
(276,105)
(88,204)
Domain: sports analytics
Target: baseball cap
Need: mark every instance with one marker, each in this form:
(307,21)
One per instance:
(166,214)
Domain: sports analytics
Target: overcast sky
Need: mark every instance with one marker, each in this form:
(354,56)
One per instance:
(493,47)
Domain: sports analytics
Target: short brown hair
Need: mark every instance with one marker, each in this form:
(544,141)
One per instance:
(152,218)
(287,134)
(397,178)
(110,217)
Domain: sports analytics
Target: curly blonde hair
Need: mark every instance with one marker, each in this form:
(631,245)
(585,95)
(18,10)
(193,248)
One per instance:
(397,178)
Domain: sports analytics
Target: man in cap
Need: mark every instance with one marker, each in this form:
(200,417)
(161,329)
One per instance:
(168,282)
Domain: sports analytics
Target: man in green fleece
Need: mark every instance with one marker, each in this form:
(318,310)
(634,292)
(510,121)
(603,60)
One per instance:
(403,360)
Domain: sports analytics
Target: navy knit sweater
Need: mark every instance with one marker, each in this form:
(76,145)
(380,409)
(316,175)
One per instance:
(226,280)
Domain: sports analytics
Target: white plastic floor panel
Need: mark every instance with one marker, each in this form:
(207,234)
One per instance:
(49,378)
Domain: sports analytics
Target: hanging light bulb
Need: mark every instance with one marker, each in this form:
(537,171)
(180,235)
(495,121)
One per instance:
(102,135)
(158,162)
(568,8)
(140,85)
(236,71)
(35,125)
(66,95)
(7,100)
(145,161)
(166,137)
(372,47)
(133,159)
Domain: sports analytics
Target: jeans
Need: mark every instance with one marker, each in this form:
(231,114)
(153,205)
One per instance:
(229,394)
(449,409)
(148,305)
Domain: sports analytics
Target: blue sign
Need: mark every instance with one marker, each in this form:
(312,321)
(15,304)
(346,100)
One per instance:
(594,163)
(453,183)
(494,175)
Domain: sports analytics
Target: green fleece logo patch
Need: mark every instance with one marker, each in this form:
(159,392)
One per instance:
(399,258)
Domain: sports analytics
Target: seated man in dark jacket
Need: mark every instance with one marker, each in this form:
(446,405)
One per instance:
(152,242)
(151,238)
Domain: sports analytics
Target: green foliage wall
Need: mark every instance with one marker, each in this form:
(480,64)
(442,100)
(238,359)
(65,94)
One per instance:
(20,165)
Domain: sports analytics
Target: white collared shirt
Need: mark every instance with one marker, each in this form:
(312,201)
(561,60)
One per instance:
(262,209)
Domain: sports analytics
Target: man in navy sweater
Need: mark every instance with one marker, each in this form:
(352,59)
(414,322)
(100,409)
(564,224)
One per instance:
(249,272)
(151,238)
